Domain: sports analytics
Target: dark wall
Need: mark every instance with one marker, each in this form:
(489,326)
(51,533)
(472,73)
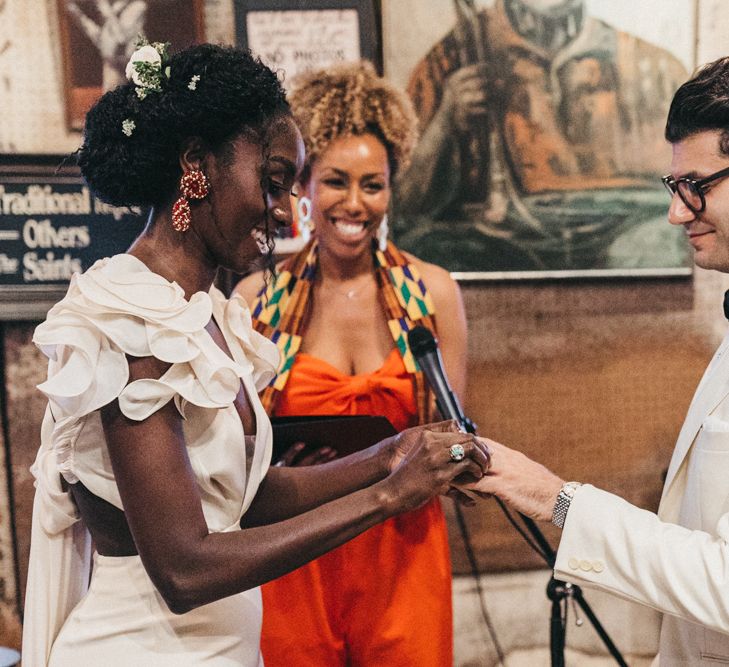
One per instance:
(593,379)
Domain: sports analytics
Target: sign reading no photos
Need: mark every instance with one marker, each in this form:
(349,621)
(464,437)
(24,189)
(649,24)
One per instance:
(296,41)
(293,36)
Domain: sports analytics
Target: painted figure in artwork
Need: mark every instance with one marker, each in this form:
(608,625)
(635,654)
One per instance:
(542,140)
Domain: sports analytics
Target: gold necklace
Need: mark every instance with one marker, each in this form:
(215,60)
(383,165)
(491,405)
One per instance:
(352,291)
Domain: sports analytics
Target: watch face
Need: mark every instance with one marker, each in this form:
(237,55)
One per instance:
(570,488)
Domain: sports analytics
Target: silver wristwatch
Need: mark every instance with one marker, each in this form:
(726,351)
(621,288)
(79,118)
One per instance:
(564,498)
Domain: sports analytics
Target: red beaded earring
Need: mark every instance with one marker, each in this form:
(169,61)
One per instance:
(193,185)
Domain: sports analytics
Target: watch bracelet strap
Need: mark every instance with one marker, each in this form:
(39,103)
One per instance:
(562,504)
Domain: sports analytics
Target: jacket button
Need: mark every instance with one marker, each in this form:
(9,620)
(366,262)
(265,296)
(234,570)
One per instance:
(573,563)
(585,565)
(598,566)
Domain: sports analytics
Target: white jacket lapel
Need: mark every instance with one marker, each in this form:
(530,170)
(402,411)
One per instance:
(712,389)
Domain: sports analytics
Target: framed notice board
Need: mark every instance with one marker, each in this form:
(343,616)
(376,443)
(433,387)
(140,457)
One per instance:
(50,228)
(292,36)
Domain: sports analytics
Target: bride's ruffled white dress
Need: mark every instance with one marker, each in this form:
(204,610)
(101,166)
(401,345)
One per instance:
(118,308)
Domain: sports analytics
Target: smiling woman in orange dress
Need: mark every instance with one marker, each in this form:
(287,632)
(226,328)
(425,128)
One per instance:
(346,303)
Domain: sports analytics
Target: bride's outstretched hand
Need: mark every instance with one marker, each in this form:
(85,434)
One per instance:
(398,447)
(428,460)
(526,485)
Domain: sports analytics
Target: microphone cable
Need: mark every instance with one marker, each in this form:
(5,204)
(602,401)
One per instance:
(476,574)
(424,347)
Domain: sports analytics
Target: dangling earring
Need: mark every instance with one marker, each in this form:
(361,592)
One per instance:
(303,210)
(193,185)
(382,233)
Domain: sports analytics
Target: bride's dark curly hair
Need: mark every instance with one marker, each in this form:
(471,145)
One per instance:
(235,94)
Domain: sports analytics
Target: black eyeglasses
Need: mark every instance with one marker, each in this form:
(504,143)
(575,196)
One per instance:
(690,190)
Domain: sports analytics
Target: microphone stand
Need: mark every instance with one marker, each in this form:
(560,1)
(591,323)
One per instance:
(425,350)
(559,592)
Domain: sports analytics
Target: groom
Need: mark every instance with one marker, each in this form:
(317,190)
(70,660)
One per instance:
(678,560)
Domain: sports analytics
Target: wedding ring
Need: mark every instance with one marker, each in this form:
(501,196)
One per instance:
(457,453)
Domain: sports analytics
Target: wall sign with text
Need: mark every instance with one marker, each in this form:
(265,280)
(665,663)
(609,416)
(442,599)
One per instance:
(50,228)
(293,36)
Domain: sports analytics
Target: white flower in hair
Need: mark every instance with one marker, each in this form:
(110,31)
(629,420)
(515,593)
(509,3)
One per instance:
(145,67)
(145,54)
(193,82)
(128,126)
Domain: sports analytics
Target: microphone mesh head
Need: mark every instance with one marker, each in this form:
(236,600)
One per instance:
(421,341)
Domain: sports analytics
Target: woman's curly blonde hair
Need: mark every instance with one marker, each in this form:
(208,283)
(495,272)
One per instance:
(348,100)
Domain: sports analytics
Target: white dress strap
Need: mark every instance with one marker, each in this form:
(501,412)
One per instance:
(60,550)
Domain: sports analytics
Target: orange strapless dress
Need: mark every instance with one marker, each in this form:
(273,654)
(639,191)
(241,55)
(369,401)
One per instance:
(384,598)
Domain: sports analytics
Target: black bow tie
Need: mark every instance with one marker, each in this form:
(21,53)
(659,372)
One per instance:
(726,304)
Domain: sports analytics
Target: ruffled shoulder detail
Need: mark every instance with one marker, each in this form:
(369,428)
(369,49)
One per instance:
(259,355)
(118,308)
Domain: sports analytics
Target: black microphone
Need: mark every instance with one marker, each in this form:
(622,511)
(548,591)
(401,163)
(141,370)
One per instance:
(424,347)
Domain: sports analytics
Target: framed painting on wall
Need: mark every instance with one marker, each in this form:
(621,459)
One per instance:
(541,145)
(99,36)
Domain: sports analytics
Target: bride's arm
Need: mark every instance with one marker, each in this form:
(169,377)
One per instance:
(288,491)
(191,566)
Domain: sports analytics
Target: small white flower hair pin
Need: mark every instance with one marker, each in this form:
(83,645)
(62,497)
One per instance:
(193,82)
(128,126)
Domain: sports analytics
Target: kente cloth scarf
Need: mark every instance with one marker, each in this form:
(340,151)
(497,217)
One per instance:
(279,313)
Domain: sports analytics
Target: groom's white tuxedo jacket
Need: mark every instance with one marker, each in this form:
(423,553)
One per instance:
(677,561)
